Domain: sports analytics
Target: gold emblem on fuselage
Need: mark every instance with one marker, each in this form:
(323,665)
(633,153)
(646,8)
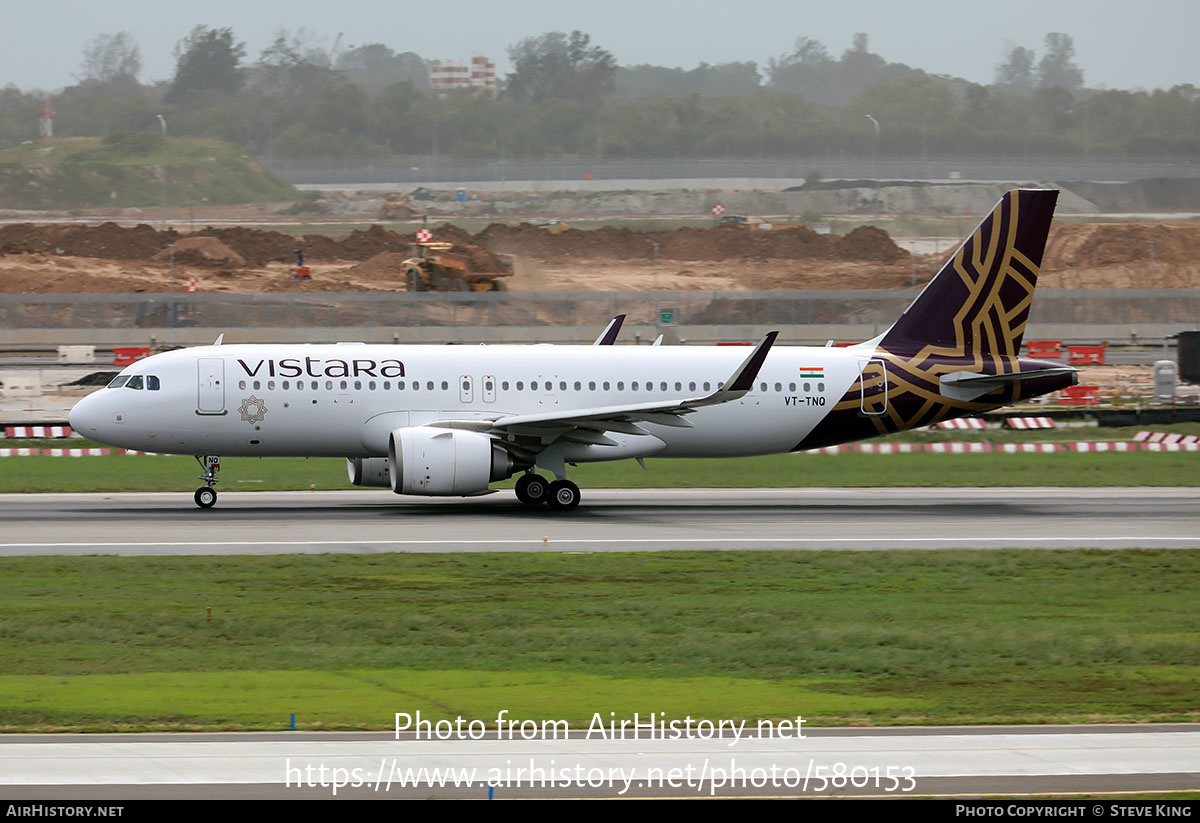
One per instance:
(252,409)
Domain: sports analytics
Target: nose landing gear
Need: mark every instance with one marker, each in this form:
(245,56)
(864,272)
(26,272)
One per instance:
(206,495)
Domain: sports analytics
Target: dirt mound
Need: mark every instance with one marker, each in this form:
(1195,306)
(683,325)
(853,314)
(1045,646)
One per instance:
(1087,245)
(870,243)
(717,243)
(105,241)
(202,251)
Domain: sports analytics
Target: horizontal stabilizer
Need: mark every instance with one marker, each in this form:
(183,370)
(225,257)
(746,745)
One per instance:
(966,386)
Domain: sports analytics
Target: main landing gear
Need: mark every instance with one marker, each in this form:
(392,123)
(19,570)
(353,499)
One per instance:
(206,495)
(561,495)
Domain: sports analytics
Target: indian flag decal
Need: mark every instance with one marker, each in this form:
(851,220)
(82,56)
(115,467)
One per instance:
(816,373)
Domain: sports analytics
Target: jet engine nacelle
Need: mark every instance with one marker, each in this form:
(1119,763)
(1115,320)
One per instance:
(369,471)
(444,462)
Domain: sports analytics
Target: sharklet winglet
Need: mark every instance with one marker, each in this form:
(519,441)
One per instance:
(609,336)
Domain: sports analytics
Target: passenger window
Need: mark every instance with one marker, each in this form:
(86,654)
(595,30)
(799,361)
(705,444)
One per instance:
(807,387)
(343,384)
(242,384)
(578,385)
(445,385)
(820,387)
(678,386)
(520,385)
(692,386)
(152,382)
(762,386)
(533,386)
(791,387)
(633,385)
(663,386)
(358,385)
(591,385)
(504,385)
(271,384)
(706,385)
(286,385)
(606,385)
(399,384)
(467,385)
(429,385)
(562,385)
(135,382)
(119,381)
(488,385)
(314,387)
(328,385)
(778,387)
(257,384)
(620,385)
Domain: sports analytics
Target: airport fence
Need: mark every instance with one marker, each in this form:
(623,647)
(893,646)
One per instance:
(418,170)
(1093,307)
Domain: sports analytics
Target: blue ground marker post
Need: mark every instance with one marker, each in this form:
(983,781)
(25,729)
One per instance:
(293,721)
(491,790)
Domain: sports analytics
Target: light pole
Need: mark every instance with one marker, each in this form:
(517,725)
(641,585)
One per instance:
(163,171)
(875,163)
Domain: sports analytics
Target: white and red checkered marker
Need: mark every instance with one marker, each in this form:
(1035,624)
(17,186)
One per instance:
(963,423)
(190,284)
(1029,422)
(1104,446)
(37,431)
(424,235)
(718,209)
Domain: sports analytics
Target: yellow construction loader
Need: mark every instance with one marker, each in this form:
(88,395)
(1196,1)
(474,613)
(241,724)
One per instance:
(433,267)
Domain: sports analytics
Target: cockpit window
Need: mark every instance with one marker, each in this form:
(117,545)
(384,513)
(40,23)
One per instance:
(135,382)
(152,382)
(119,381)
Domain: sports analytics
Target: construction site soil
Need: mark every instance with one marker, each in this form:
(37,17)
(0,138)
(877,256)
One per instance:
(71,258)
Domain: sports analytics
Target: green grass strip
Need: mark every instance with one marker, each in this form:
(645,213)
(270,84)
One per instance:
(140,473)
(345,641)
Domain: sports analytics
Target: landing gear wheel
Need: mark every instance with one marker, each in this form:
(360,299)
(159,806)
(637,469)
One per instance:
(532,489)
(206,497)
(564,495)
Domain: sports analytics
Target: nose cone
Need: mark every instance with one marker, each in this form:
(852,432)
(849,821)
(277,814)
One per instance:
(85,416)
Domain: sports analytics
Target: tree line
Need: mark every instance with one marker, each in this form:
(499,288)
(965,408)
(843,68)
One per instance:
(568,98)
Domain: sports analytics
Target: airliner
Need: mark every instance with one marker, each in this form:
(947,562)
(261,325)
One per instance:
(452,420)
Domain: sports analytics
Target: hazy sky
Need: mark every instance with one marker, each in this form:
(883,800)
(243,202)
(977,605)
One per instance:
(1148,44)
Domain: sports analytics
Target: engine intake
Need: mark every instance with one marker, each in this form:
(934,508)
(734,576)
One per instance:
(444,462)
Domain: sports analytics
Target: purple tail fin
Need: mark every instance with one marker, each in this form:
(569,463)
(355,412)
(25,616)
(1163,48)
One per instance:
(979,301)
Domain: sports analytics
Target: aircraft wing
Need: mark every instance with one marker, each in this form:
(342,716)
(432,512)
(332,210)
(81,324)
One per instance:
(531,432)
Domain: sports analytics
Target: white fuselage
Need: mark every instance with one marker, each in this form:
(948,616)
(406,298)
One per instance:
(343,400)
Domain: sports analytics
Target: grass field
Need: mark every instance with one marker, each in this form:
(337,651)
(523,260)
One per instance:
(345,641)
(123,168)
(142,473)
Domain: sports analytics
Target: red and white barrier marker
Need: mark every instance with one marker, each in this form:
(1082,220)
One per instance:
(963,423)
(1029,422)
(37,431)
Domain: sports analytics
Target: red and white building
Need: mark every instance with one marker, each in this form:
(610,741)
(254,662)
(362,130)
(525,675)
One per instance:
(479,74)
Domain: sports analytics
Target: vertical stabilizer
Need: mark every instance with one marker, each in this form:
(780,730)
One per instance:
(979,301)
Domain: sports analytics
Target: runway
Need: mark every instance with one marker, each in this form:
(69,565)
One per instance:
(885,762)
(608,520)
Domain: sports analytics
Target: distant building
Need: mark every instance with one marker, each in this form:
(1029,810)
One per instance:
(447,75)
